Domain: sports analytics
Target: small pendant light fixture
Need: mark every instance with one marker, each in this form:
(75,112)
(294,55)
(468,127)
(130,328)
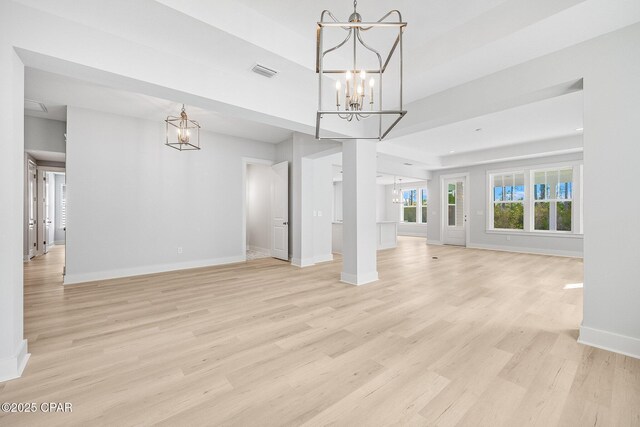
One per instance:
(182,132)
(396,196)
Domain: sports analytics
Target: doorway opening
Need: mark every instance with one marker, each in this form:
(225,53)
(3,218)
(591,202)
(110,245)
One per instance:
(454,190)
(46,208)
(266,210)
(52,209)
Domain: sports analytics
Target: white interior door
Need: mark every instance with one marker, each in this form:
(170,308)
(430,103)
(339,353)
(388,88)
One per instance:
(32,195)
(280,211)
(455,218)
(49,211)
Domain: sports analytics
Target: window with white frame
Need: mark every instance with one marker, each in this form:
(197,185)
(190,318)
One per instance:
(553,199)
(409,205)
(507,193)
(544,199)
(414,205)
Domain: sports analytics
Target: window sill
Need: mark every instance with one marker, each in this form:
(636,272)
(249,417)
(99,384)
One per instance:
(413,223)
(537,233)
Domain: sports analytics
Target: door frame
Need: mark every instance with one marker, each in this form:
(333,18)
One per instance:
(31,164)
(40,229)
(246,161)
(466,202)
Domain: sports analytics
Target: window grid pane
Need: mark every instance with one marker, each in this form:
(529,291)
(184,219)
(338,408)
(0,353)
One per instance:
(553,192)
(508,201)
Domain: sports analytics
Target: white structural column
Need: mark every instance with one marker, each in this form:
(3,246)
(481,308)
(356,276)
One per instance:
(13,346)
(359,212)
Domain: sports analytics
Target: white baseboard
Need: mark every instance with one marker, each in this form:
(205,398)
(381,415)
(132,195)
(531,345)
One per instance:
(434,242)
(519,249)
(304,262)
(323,258)
(359,279)
(12,367)
(385,247)
(412,234)
(71,279)
(610,341)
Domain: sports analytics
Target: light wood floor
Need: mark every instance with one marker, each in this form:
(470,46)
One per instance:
(471,338)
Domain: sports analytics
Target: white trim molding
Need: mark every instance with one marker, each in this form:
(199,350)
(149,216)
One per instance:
(12,367)
(323,258)
(412,234)
(72,279)
(524,250)
(434,242)
(358,279)
(629,346)
(302,262)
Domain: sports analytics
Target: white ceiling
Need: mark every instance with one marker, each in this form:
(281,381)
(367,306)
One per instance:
(57,92)
(550,118)
(446,43)
(48,156)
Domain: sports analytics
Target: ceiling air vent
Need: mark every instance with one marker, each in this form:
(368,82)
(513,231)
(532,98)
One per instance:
(32,105)
(264,71)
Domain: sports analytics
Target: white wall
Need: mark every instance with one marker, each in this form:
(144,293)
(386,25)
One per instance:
(259,182)
(611,135)
(44,135)
(132,201)
(476,194)
(303,151)
(381,203)
(13,346)
(322,203)
(337,201)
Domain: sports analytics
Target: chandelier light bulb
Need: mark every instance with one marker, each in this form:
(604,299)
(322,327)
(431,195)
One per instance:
(348,75)
(372,82)
(363,75)
(359,90)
